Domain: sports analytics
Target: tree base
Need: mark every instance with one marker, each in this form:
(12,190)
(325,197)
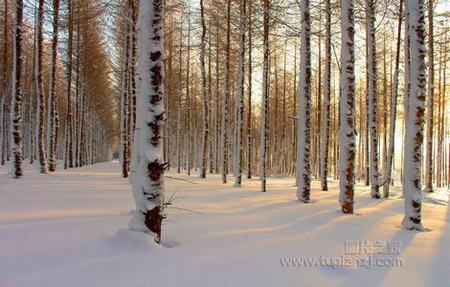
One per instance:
(347,208)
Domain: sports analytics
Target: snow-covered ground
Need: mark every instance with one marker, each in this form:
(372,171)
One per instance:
(68,229)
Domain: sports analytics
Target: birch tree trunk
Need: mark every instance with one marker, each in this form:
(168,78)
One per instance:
(415,122)
(226,95)
(52,114)
(5,134)
(265,99)
(68,147)
(430,103)
(304,108)
(188,98)
(17,95)
(148,182)
(180,72)
(372,75)
(205,95)
(125,101)
(407,84)
(40,115)
(249,99)
(394,96)
(326,104)
(240,96)
(347,109)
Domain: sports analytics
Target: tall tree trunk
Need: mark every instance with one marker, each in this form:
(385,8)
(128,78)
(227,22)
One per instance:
(180,74)
(283,134)
(265,98)
(394,96)
(4,101)
(430,103)
(40,115)
(148,183)
(304,108)
(210,115)
(294,117)
(17,95)
(240,96)
(372,74)
(188,98)
(52,114)
(415,122)
(326,104)
(347,109)
(125,101)
(226,96)
(68,147)
(407,84)
(316,156)
(249,99)
(205,95)
(217,101)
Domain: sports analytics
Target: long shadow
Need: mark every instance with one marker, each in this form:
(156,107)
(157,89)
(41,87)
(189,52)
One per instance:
(440,269)
(375,274)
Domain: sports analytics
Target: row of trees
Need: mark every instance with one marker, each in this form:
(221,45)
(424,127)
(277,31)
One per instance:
(56,91)
(241,93)
(212,73)
(307,126)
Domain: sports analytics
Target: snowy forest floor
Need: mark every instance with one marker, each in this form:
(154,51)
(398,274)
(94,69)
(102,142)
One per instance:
(69,229)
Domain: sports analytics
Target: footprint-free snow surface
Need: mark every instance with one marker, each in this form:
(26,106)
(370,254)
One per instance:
(69,229)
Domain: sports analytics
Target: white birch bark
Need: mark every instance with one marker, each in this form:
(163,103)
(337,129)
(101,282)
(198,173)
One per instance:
(226,95)
(430,95)
(238,153)
(265,100)
(372,77)
(304,108)
(392,122)
(205,95)
(415,121)
(148,182)
(347,109)
(326,105)
(17,95)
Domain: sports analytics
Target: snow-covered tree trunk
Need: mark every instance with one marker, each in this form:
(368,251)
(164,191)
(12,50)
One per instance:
(316,147)
(304,108)
(52,114)
(180,73)
(430,103)
(294,116)
(393,116)
(347,108)
(148,182)
(78,91)
(4,118)
(226,95)
(415,121)
(132,68)
(326,101)
(125,101)
(188,99)
(205,95)
(249,98)
(238,153)
(407,83)
(210,118)
(40,115)
(16,107)
(372,75)
(284,149)
(68,147)
(265,99)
